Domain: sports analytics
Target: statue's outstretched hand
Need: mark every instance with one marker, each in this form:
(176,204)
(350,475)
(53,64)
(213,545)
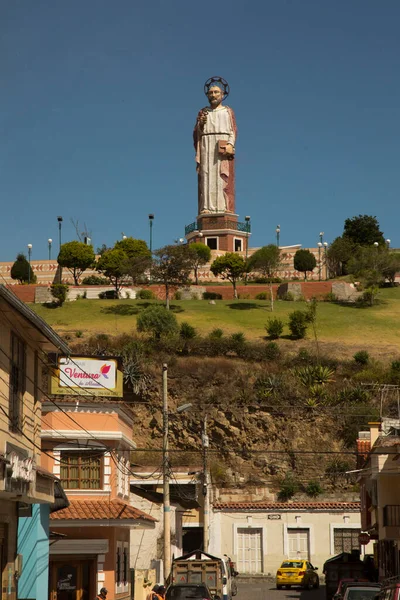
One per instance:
(229,149)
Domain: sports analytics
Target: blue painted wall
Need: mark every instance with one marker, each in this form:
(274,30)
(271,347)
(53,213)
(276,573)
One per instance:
(33,544)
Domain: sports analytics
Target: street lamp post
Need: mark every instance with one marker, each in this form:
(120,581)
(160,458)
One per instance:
(29,260)
(326,260)
(60,220)
(49,241)
(278,232)
(151,219)
(166,471)
(247,219)
(319,260)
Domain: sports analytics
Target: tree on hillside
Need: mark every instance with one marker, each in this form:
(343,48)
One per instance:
(267,261)
(363,230)
(230,266)
(392,266)
(171,267)
(76,257)
(338,255)
(200,255)
(304,261)
(112,264)
(137,259)
(20,270)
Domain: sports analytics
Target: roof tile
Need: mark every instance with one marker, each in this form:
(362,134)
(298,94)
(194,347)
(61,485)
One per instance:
(100,510)
(287,506)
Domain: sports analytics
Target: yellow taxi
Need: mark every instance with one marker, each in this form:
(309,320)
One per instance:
(297,572)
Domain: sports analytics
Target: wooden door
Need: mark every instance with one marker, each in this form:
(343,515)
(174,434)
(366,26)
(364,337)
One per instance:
(249,543)
(299,544)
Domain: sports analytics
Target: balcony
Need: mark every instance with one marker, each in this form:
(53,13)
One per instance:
(391,515)
(216,223)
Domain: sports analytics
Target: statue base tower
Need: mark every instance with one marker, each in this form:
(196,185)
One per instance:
(220,231)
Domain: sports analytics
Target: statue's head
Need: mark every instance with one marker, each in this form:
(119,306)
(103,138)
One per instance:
(216,89)
(215,96)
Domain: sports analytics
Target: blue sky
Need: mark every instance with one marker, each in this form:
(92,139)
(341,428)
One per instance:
(99,100)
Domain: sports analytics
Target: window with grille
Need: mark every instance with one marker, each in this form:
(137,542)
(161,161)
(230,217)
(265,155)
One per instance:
(17,382)
(81,471)
(346,540)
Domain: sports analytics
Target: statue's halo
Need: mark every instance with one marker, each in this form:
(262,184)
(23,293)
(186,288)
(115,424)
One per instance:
(220,81)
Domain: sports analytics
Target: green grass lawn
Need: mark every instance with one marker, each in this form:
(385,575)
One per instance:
(377,326)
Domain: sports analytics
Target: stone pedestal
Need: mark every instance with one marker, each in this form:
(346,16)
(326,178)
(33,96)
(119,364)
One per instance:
(219,231)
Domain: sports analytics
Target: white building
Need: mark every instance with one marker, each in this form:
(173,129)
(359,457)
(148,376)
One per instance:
(258,536)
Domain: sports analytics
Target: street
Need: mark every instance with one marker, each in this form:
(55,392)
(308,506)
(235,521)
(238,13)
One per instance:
(266,590)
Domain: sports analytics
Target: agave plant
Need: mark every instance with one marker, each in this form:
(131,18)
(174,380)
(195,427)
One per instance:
(136,377)
(311,375)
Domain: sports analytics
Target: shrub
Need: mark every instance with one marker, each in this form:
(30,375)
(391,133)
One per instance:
(238,338)
(158,321)
(274,328)
(59,291)
(395,366)
(336,468)
(298,323)
(262,296)
(79,333)
(187,331)
(361,357)
(145,295)
(109,295)
(212,296)
(313,489)
(311,375)
(178,295)
(272,351)
(244,296)
(238,343)
(95,280)
(216,334)
(288,488)
(288,296)
(330,297)
(266,280)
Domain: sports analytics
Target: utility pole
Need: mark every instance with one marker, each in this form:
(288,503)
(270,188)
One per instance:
(166,502)
(206,519)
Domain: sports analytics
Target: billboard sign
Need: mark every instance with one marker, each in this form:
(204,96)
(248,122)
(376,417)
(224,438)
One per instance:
(83,375)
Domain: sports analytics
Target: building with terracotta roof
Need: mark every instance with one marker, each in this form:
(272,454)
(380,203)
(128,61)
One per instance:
(259,534)
(89,440)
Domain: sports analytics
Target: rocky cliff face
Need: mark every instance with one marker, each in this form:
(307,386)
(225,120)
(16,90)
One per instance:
(259,424)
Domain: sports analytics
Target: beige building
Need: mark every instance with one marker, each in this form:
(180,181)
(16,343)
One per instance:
(380,492)
(25,340)
(258,536)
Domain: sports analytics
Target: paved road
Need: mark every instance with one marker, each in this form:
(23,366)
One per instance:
(266,590)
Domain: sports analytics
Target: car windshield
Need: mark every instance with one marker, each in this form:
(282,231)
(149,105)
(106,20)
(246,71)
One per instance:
(361,594)
(187,591)
(291,564)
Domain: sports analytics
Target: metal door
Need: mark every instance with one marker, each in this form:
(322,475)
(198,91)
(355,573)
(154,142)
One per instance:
(250,551)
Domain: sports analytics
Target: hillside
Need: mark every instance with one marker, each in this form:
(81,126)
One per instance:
(342,330)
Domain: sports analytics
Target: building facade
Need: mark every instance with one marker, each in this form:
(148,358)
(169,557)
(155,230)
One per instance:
(258,536)
(88,444)
(26,488)
(380,493)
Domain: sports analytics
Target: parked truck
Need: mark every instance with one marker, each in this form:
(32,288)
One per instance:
(218,574)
